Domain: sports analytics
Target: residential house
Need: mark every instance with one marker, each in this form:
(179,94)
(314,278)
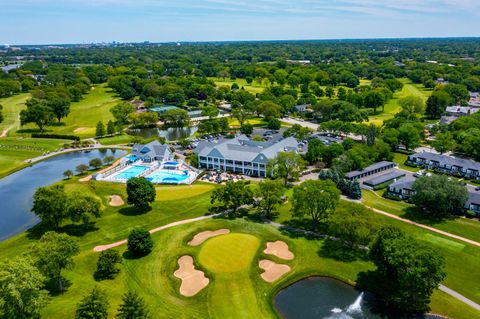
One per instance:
(241,155)
(446,164)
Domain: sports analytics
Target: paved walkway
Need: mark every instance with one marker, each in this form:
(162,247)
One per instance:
(408,221)
(181,222)
(460,297)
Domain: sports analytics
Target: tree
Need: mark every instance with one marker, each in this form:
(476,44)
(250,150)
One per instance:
(95,163)
(93,306)
(107,264)
(133,307)
(49,204)
(374,99)
(60,107)
(371,134)
(444,142)
(36,112)
(390,136)
(458,92)
(1,114)
(412,104)
(100,130)
(269,110)
(241,114)
(315,151)
(407,272)
(140,192)
(437,103)
(246,129)
(121,111)
(108,159)
(315,198)
(140,242)
(439,196)
(82,168)
(231,196)
(274,124)
(176,117)
(409,136)
(22,294)
(329,92)
(68,173)
(210,111)
(286,165)
(81,206)
(110,127)
(269,196)
(54,252)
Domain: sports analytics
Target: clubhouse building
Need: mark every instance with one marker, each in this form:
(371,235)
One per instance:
(242,155)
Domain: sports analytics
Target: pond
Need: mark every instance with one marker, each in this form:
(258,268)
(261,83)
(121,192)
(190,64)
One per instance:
(321,297)
(17,189)
(170,134)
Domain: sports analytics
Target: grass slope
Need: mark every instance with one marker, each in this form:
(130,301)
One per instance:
(392,107)
(14,151)
(254,87)
(11,110)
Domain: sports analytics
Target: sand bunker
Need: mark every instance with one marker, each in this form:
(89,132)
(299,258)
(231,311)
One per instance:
(200,238)
(115,200)
(80,129)
(279,249)
(272,271)
(193,280)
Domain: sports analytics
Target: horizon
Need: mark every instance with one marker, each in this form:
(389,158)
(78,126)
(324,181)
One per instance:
(44,22)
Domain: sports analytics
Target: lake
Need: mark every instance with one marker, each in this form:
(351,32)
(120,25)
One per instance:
(321,297)
(17,189)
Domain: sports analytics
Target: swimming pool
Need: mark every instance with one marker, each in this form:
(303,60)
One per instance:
(132,171)
(162,177)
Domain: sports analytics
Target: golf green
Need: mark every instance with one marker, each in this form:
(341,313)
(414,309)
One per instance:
(229,253)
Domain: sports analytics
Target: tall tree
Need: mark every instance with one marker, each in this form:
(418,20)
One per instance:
(100,130)
(409,136)
(231,196)
(1,113)
(107,264)
(60,106)
(444,142)
(36,112)
(54,252)
(140,192)
(412,104)
(110,127)
(22,293)
(374,99)
(140,242)
(437,103)
(121,111)
(439,196)
(133,307)
(81,206)
(315,198)
(408,272)
(269,194)
(93,306)
(286,165)
(49,203)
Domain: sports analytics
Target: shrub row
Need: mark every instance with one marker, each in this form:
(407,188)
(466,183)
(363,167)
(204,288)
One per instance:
(56,136)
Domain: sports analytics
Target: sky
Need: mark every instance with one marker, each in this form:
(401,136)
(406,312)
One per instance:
(87,21)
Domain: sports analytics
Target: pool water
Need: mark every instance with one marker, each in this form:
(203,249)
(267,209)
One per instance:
(132,171)
(162,177)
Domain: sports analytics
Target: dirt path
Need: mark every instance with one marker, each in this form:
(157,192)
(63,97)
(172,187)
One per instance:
(181,222)
(4,132)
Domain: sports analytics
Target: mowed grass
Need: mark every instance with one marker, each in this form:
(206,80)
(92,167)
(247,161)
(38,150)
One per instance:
(459,226)
(228,253)
(254,87)
(392,107)
(11,110)
(14,151)
(84,115)
(242,294)
(120,139)
(255,121)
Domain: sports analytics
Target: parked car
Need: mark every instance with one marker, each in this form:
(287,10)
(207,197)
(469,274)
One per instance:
(419,173)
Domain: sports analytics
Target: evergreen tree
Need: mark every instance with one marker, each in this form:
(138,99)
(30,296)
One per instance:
(133,307)
(110,127)
(93,306)
(100,131)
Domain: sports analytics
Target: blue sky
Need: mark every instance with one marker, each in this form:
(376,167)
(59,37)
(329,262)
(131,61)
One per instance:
(85,21)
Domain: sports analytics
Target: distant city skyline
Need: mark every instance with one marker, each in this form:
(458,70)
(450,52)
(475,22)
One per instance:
(87,21)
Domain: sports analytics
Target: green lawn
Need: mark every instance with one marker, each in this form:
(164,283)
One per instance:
(255,121)
(239,294)
(392,107)
(84,115)
(15,150)
(116,140)
(401,158)
(11,110)
(459,226)
(254,87)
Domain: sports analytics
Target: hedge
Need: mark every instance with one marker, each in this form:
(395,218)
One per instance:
(56,136)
